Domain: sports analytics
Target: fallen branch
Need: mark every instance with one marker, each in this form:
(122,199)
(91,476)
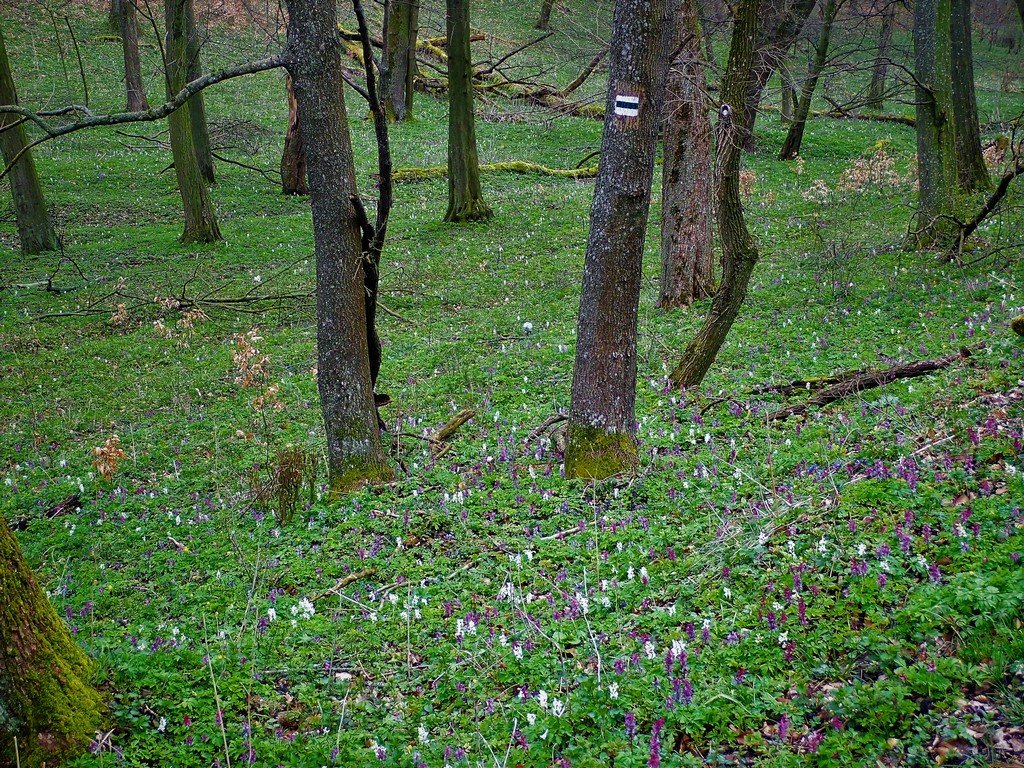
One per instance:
(411,175)
(345,581)
(548,423)
(446,432)
(860,381)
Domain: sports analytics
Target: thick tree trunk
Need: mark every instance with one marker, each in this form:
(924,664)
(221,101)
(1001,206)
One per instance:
(544,22)
(465,197)
(876,90)
(293,159)
(686,251)
(46,701)
(114,11)
(35,230)
(354,452)
(200,219)
(739,250)
(795,136)
(970,163)
(129,26)
(197,103)
(936,149)
(778,27)
(399,70)
(602,420)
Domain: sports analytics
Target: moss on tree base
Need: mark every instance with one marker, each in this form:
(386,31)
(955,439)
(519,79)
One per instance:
(46,700)
(1017,324)
(351,478)
(469,210)
(594,454)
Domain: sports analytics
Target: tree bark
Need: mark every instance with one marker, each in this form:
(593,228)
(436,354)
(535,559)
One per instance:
(200,219)
(778,27)
(686,249)
(114,11)
(35,230)
(355,456)
(46,700)
(399,69)
(970,162)
(465,197)
(129,27)
(789,93)
(936,150)
(544,22)
(293,159)
(197,103)
(739,249)
(602,420)
(876,90)
(795,136)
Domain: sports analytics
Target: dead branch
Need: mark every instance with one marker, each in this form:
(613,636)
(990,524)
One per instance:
(548,423)
(345,581)
(859,381)
(446,432)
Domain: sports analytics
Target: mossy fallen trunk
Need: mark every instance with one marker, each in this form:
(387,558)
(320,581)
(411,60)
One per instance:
(1017,324)
(411,175)
(46,701)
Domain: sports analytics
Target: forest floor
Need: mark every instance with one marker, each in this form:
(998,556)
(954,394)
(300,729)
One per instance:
(840,589)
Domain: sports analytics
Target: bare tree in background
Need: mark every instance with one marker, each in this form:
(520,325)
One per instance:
(970,163)
(544,21)
(739,249)
(876,90)
(686,247)
(35,230)
(197,103)
(465,196)
(398,71)
(128,25)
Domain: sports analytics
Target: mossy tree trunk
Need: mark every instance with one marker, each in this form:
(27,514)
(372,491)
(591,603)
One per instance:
(114,11)
(355,455)
(544,20)
(686,249)
(789,92)
(465,197)
(35,230)
(970,162)
(46,700)
(399,71)
(602,419)
(197,103)
(936,142)
(876,89)
(795,135)
(128,24)
(293,159)
(739,250)
(200,219)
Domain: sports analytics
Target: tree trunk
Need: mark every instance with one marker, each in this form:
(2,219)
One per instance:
(200,219)
(114,11)
(739,250)
(35,230)
(129,26)
(936,150)
(789,92)
(778,27)
(197,103)
(602,420)
(354,452)
(876,90)
(465,198)
(293,159)
(46,701)
(795,136)
(686,251)
(544,22)
(970,162)
(399,69)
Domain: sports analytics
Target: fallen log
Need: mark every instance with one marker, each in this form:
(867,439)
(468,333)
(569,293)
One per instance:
(410,175)
(860,381)
(1017,324)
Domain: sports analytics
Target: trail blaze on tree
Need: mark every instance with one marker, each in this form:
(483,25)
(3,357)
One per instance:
(46,700)
(602,420)
(739,250)
(354,452)
(34,227)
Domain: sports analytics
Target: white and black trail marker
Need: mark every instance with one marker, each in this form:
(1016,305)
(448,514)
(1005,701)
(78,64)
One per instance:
(627,105)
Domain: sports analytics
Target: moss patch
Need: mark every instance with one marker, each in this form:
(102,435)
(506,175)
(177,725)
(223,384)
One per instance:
(594,454)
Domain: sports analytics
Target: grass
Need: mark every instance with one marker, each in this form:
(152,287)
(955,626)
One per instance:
(842,590)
